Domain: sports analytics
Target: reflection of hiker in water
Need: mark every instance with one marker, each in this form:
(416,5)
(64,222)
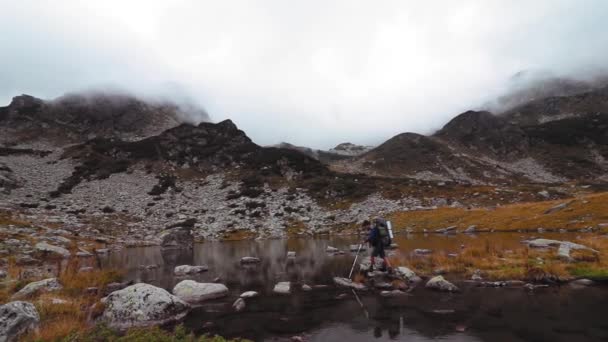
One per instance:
(378,238)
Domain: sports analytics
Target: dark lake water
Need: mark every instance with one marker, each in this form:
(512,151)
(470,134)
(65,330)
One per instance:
(333,314)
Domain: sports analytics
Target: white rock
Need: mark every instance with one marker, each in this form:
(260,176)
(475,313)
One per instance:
(393,293)
(193,292)
(16,319)
(440,284)
(53,250)
(283,287)
(250,260)
(331,249)
(407,273)
(306,288)
(239,305)
(46,285)
(291,255)
(249,294)
(187,269)
(345,282)
(142,305)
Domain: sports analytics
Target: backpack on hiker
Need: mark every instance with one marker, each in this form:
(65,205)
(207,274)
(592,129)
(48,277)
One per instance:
(385,232)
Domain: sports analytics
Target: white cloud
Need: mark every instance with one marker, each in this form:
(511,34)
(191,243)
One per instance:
(312,73)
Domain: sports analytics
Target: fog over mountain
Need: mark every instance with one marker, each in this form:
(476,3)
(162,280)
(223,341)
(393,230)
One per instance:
(313,73)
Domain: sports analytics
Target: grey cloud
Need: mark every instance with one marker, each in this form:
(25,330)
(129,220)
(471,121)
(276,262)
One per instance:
(313,73)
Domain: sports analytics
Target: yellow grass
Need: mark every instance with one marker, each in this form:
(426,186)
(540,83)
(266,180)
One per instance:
(584,211)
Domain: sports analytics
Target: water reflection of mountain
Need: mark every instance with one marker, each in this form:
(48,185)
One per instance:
(488,314)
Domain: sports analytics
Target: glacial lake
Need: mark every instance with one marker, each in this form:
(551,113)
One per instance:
(558,313)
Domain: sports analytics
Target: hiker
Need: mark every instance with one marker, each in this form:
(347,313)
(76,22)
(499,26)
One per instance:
(378,238)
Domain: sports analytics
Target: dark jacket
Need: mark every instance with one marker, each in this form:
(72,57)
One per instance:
(373,238)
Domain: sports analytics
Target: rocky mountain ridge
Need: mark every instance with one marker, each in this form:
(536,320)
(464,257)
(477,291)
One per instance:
(129,187)
(551,140)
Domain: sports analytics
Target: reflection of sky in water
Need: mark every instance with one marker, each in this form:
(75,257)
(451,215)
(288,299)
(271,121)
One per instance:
(555,314)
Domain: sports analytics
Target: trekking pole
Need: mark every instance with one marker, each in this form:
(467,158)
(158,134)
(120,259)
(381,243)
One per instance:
(354,262)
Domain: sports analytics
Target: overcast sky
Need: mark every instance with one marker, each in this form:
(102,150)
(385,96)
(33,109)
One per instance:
(312,73)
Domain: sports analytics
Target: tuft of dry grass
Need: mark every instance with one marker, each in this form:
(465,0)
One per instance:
(495,261)
(584,211)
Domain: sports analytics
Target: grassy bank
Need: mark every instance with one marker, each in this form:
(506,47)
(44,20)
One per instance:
(580,212)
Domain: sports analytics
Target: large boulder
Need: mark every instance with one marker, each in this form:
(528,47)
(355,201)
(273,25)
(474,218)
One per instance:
(187,269)
(142,305)
(50,250)
(193,292)
(440,284)
(177,238)
(31,289)
(16,319)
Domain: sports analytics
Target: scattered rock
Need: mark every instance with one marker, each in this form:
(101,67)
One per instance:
(306,288)
(471,230)
(291,255)
(48,249)
(187,269)
(407,274)
(558,207)
(86,269)
(239,305)
(193,292)
(283,287)
(3,274)
(393,293)
(46,285)
(249,294)
(250,260)
(331,249)
(16,319)
(422,251)
(345,282)
(440,284)
(477,276)
(448,230)
(532,287)
(583,282)
(142,305)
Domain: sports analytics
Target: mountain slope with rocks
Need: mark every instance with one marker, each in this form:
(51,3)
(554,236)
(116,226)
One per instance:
(551,140)
(77,117)
(111,179)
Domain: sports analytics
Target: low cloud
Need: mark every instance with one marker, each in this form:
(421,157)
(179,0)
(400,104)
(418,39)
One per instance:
(312,73)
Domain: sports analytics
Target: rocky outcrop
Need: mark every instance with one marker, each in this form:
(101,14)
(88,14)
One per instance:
(440,284)
(193,292)
(46,285)
(16,319)
(563,247)
(142,305)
